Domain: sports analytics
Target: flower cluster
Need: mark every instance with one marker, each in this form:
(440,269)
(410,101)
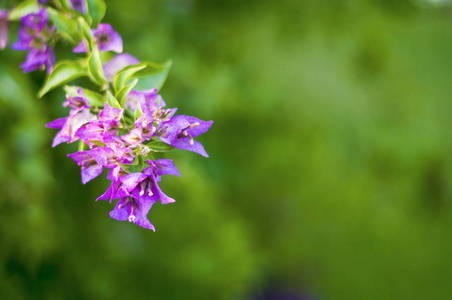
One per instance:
(35,36)
(118,128)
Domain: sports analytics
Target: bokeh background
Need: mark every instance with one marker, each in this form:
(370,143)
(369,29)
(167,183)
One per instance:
(330,169)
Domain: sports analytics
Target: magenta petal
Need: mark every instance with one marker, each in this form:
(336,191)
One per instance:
(133,210)
(184,144)
(166,167)
(130,181)
(81,48)
(57,124)
(91,172)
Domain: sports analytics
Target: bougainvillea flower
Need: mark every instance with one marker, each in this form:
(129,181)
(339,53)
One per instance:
(147,99)
(77,103)
(134,210)
(69,126)
(111,116)
(39,59)
(95,160)
(4,26)
(93,132)
(105,37)
(79,5)
(90,166)
(143,184)
(145,126)
(118,63)
(34,35)
(133,138)
(35,21)
(180,132)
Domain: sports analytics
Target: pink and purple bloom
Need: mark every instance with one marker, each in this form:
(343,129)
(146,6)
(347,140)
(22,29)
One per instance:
(105,37)
(34,36)
(180,132)
(68,126)
(138,192)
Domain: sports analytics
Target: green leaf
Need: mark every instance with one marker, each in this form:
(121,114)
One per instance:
(153,76)
(94,98)
(122,94)
(136,166)
(23,9)
(63,72)
(125,74)
(111,100)
(158,146)
(95,68)
(65,25)
(138,111)
(96,9)
(86,33)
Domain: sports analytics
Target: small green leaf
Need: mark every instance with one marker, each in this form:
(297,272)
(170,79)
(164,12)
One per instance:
(84,28)
(122,93)
(138,111)
(63,72)
(153,76)
(136,166)
(125,74)
(94,98)
(95,68)
(158,146)
(23,9)
(81,145)
(96,9)
(65,25)
(111,100)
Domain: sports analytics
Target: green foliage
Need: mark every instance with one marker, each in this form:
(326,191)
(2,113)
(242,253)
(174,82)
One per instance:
(125,74)
(96,10)
(65,25)
(22,9)
(153,76)
(158,146)
(111,100)
(95,67)
(63,72)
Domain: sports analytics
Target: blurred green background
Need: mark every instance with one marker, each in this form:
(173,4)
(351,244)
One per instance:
(330,169)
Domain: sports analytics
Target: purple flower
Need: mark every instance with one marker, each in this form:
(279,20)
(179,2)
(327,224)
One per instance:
(145,126)
(34,35)
(4,26)
(180,132)
(90,163)
(138,192)
(76,103)
(39,59)
(105,37)
(117,63)
(134,210)
(95,160)
(147,99)
(69,126)
(133,138)
(79,5)
(111,116)
(143,184)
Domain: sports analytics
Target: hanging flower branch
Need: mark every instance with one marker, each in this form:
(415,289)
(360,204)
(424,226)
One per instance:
(118,128)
